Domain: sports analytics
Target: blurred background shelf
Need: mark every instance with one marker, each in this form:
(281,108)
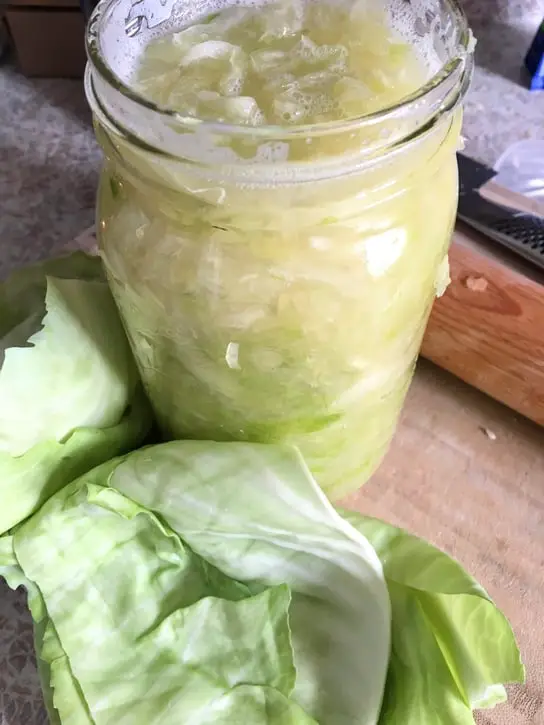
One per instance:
(48,37)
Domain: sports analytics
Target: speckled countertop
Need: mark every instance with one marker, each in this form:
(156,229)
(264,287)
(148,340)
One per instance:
(49,165)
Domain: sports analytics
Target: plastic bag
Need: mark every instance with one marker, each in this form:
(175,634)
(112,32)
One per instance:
(521,168)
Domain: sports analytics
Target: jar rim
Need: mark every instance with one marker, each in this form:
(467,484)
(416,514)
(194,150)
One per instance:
(457,71)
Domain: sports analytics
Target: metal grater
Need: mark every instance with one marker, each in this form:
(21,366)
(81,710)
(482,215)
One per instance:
(519,232)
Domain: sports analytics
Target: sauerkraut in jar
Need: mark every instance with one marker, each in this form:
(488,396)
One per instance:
(275,209)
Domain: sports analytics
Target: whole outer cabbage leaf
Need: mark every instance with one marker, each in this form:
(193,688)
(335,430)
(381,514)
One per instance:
(69,392)
(213,583)
(452,649)
(254,602)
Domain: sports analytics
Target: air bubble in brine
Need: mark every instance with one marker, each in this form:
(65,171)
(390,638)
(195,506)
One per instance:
(308,97)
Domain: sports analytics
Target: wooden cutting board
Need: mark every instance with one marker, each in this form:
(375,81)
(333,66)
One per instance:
(488,328)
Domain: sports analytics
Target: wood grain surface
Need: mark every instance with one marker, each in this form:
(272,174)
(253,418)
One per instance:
(488,328)
(468,474)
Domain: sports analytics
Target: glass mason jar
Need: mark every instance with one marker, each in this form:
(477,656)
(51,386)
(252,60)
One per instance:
(275,283)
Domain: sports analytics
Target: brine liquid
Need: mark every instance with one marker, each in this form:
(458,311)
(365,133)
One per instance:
(284,63)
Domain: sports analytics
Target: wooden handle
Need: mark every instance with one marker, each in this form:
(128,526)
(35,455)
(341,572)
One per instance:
(488,328)
(512,199)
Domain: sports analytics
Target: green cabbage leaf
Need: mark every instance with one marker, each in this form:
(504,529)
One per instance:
(213,583)
(70,397)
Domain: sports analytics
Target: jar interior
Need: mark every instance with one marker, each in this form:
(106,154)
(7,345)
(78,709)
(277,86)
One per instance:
(119,32)
(432,27)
